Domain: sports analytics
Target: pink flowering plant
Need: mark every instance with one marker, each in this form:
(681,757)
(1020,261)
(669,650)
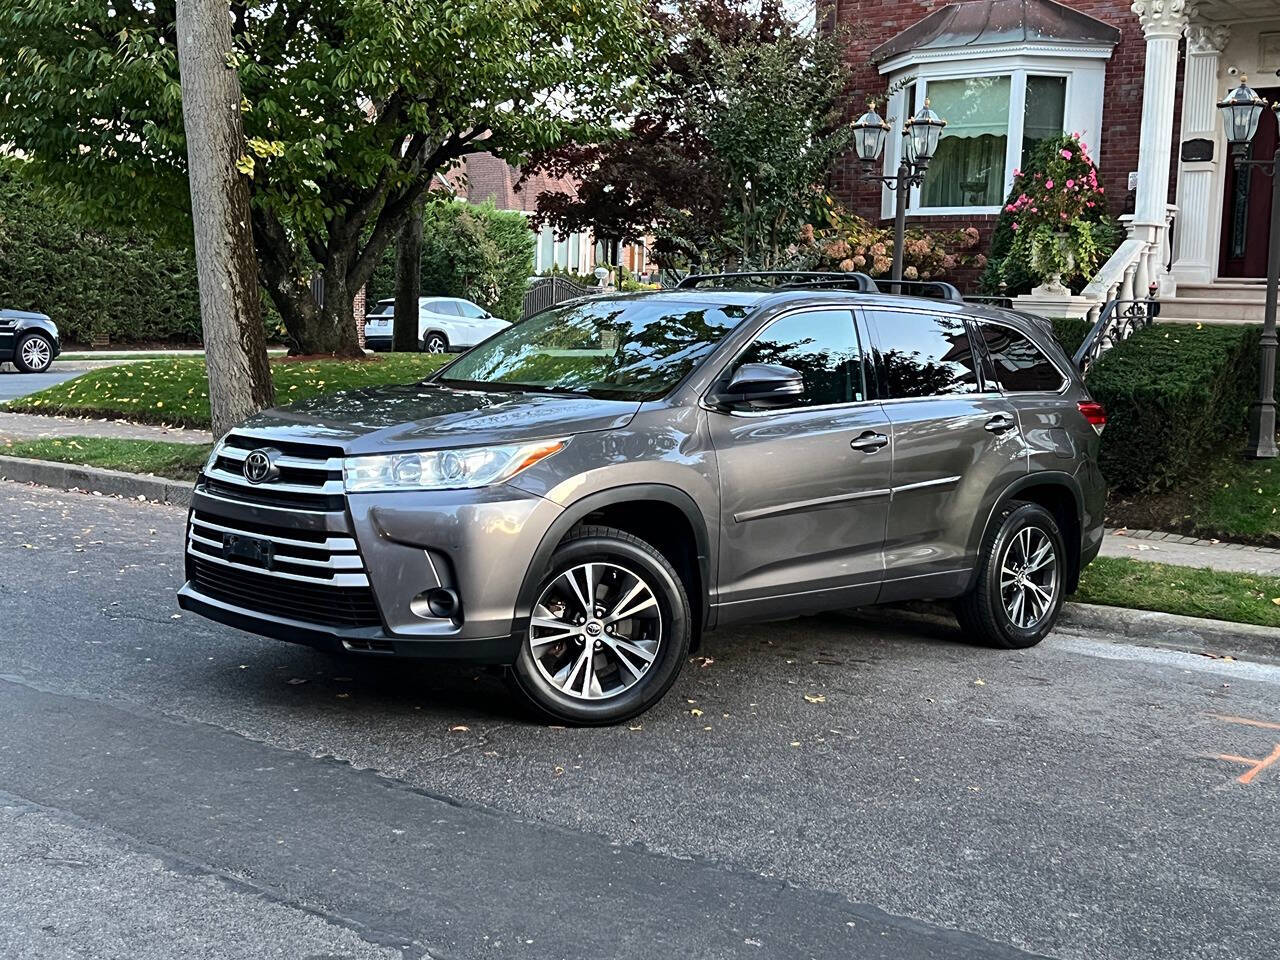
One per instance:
(1052,209)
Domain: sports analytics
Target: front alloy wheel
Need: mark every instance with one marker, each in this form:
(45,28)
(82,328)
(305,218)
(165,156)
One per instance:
(434,343)
(596,631)
(608,632)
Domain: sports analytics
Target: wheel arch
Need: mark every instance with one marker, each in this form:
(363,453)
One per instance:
(635,508)
(1060,494)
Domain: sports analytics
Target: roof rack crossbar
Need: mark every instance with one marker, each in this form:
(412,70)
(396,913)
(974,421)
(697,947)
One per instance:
(938,289)
(861,282)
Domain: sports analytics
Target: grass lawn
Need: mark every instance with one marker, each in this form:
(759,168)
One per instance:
(1191,592)
(176,391)
(178,461)
(1233,499)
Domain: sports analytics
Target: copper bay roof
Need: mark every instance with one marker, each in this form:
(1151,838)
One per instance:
(992,22)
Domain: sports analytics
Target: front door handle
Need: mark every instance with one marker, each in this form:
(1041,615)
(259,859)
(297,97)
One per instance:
(1000,423)
(869,442)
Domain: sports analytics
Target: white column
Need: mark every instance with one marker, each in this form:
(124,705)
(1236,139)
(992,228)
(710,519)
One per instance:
(1163,22)
(1198,183)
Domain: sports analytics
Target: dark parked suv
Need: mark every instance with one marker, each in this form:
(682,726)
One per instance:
(586,493)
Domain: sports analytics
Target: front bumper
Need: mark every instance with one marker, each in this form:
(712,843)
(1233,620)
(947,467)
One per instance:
(476,542)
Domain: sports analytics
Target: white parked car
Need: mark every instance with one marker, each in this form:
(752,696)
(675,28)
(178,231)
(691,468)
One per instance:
(444,324)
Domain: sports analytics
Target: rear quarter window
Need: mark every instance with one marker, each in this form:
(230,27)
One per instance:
(1019,365)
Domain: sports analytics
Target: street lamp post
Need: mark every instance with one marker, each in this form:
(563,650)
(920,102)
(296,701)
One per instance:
(1241,110)
(920,136)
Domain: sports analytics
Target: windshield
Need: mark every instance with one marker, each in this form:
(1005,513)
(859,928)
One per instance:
(624,349)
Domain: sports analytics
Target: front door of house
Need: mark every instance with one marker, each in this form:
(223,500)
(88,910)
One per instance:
(1246,204)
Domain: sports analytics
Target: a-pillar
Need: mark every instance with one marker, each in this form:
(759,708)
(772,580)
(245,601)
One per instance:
(1163,22)
(1198,182)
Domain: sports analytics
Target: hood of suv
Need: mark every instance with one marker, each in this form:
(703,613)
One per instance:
(424,416)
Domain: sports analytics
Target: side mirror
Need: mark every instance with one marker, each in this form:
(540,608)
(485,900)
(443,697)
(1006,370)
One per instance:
(761,385)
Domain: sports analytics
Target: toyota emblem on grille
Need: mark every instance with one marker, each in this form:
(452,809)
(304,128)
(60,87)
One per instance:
(260,465)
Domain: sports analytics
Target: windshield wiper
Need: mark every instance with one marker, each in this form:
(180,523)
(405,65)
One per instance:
(504,386)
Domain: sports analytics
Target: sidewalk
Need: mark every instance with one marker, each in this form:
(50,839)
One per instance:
(25,426)
(1155,547)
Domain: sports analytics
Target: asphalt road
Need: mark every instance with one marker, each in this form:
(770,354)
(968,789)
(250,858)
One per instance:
(172,788)
(14,384)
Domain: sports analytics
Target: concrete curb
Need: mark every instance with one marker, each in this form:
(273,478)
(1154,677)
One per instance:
(1170,630)
(120,483)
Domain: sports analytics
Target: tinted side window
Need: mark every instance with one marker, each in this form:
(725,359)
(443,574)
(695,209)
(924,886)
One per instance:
(469,310)
(823,346)
(442,307)
(925,356)
(1019,364)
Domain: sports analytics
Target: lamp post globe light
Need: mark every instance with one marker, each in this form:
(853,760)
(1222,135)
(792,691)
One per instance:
(1241,110)
(920,135)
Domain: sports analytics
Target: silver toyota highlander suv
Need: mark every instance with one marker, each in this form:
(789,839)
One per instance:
(585,494)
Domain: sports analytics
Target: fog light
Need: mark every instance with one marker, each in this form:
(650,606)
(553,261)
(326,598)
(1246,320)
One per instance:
(439,602)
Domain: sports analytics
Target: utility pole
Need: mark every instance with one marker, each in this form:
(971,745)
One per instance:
(230,300)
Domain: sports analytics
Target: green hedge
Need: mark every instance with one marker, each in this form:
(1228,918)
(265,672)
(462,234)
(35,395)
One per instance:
(91,282)
(1071,332)
(1174,394)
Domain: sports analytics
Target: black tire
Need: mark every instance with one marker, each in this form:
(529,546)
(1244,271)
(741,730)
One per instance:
(984,612)
(619,551)
(435,342)
(33,353)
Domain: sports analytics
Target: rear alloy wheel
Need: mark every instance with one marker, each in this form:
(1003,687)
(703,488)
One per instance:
(34,354)
(609,630)
(1020,579)
(434,343)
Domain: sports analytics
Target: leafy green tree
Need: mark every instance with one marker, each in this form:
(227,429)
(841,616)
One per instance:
(742,120)
(351,108)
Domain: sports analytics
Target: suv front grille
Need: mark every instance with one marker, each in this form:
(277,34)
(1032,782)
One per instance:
(310,476)
(312,576)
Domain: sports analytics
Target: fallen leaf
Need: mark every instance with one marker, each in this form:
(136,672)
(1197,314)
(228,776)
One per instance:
(696,712)
(558,772)
(636,727)
(979,682)
(815,698)
(296,680)
(459,728)
(343,696)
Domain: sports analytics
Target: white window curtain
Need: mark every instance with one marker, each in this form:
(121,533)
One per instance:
(969,167)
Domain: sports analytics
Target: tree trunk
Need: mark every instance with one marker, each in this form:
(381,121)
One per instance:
(408,283)
(333,326)
(226,265)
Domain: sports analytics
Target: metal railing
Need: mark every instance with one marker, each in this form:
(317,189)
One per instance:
(548,291)
(1118,321)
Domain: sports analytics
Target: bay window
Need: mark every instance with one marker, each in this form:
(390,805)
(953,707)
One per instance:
(999,104)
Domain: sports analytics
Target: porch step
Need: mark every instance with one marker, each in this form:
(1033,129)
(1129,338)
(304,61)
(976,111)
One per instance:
(1240,302)
(1224,290)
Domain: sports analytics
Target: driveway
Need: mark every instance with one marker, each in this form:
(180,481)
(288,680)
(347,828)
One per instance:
(827,787)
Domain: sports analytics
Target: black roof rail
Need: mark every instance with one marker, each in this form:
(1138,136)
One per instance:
(936,289)
(860,282)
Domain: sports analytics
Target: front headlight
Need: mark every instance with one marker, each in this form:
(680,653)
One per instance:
(444,469)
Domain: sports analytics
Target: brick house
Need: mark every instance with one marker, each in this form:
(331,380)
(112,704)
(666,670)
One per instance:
(483,177)
(1138,80)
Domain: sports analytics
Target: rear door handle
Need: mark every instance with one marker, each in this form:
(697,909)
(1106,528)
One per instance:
(1000,423)
(869,442)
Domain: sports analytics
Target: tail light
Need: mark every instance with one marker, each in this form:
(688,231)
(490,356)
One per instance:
(1095,413)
